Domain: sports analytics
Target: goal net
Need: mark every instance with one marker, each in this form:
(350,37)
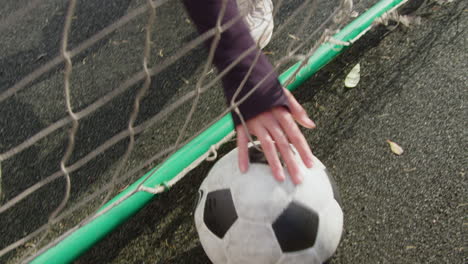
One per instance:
(94,94)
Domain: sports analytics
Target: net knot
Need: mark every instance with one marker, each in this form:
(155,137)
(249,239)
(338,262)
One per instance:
(165,185)
(212,154)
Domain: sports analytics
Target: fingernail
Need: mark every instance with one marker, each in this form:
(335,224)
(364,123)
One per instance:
(281,176)
(310,123)
(243,168)
(309,163)
(299,178)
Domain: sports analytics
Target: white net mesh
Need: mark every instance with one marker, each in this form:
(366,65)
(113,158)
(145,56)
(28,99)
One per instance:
(93,93)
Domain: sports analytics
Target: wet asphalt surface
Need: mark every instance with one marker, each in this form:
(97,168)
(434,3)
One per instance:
(398,209)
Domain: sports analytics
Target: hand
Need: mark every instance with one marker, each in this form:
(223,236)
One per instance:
(276,129)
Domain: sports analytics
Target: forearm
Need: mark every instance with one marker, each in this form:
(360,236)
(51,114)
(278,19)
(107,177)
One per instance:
(236,41)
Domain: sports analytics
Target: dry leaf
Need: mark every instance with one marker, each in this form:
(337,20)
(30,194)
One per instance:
(395,147)
(293,37)
(353,77)
(41,56)
(185,81)
(29,245)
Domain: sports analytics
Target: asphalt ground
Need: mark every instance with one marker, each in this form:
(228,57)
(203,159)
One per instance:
(398,209)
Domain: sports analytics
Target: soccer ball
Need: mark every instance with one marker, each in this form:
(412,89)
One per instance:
(253,218)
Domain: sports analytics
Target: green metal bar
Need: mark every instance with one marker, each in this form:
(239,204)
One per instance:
(82,239)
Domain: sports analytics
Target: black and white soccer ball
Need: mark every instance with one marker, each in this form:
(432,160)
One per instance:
(252,218)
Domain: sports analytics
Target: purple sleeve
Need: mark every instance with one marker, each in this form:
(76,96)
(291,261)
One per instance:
(235,41)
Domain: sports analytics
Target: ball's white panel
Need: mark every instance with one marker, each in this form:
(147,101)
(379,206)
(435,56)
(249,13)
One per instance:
(315,191)
(287,185)
(212,245)
(200,207)
(317,163)
(330,230)
(308,256)
(222,173)
(258,196)
(290,187)
(251,243)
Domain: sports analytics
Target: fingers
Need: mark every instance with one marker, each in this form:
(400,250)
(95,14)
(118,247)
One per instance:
(282,144)
(294,135)
(298,112)
(269,149)
(276,129)
(242,147)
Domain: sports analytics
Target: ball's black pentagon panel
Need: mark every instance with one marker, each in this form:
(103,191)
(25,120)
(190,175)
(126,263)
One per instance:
(336,192)
(219,214)
(256,156)
(296,228)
